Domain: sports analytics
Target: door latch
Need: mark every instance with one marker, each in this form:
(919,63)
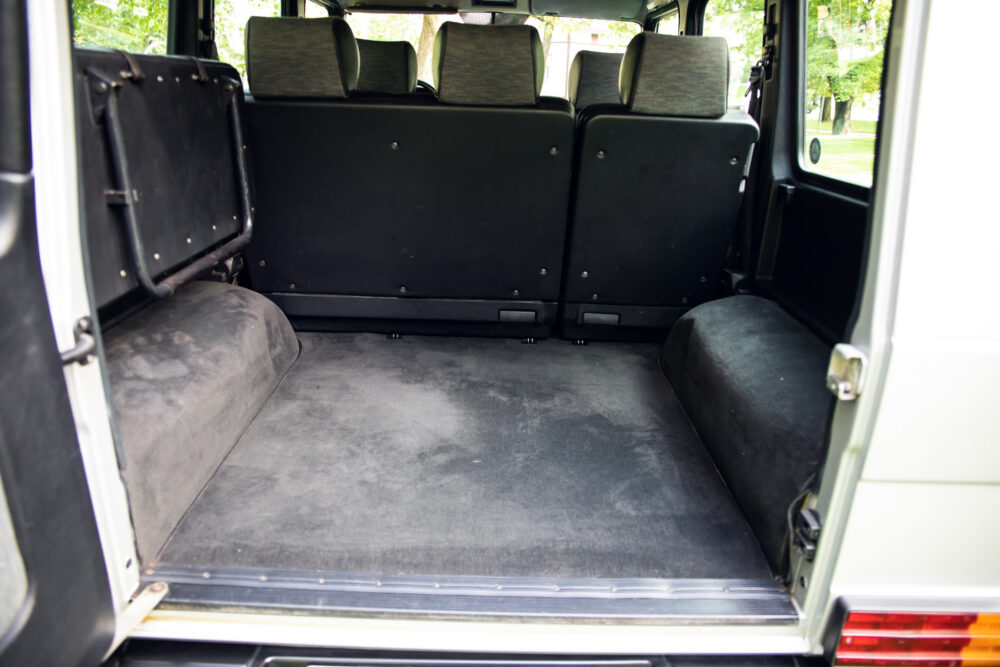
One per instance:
(808,525)
(845,376)
(83,349)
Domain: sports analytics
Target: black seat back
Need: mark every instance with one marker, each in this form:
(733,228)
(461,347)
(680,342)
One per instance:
(178,154)
(659,186)
(411,214)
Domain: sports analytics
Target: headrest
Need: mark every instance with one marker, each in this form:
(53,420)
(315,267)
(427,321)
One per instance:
(593,78)
(673,75)
(491,65)
(293,57)
(387,67)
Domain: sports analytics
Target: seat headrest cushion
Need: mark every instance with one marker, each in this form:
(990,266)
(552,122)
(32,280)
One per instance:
(294,57)
(490,65)
(593,78)
(673,75)
(387,67)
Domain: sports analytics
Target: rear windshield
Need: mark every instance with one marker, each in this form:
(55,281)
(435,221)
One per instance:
(562,39)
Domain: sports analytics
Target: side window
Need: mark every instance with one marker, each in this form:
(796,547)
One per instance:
(139,26)
(231,18)
(669,24)
(741,22)
(315,10)
(845,43)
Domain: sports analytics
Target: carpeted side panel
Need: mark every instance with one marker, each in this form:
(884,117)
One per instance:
(187,376)
(753,380)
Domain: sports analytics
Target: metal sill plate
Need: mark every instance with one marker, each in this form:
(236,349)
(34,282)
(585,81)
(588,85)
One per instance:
(687,601)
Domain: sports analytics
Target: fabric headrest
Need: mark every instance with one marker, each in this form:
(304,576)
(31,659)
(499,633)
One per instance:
(387,67)
(491,65)
(593,78)
(673,75)
(294,57)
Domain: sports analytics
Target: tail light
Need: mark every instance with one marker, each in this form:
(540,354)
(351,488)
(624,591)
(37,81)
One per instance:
(924,640)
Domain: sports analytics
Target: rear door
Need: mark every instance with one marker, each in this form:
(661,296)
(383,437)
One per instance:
(821,99)
(55,601)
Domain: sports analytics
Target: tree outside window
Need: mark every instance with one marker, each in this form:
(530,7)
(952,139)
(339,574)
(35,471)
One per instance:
(138,26)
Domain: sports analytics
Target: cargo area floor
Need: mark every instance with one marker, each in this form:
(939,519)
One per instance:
(464,456)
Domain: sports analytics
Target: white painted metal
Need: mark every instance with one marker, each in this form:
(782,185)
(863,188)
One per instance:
(907,505)
(140,606)
(506,637)
(53,145)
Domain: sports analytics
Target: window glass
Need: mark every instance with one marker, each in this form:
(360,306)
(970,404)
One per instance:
(741,22)
(316,11)
(417,29)
(231,18)
(669,24)
(845,41)
(563,38)
(139,26)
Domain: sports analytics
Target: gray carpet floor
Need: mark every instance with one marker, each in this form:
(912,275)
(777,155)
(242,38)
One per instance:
(443,456)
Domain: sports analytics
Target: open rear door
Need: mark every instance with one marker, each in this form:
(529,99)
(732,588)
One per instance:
(55,602)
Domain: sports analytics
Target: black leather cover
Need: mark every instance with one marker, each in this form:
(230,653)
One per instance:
(179,147)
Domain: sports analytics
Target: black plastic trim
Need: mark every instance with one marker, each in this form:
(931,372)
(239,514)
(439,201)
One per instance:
(402,308)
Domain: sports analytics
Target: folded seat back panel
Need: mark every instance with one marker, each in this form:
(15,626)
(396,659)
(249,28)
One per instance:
(179,150)
(429,201)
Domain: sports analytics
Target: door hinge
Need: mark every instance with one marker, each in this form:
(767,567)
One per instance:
(138,609)
(808,525)
(845,376)
(86,344)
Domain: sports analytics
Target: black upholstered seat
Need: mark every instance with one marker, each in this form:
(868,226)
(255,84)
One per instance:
(407,214)
(660,180)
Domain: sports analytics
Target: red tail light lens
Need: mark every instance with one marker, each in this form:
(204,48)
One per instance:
(925,640)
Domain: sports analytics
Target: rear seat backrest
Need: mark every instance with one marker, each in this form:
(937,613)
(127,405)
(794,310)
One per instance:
(473,65)
(293,57)
(453,214)
(388,68)
(593,79)
(659,186)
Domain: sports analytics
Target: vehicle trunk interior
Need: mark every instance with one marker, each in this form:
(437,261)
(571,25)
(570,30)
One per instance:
(422,353)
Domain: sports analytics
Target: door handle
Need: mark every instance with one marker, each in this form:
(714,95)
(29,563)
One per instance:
(86,344)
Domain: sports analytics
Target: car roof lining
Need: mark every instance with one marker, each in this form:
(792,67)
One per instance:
(613,10)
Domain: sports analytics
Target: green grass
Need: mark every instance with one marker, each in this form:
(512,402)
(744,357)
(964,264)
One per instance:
(850,156)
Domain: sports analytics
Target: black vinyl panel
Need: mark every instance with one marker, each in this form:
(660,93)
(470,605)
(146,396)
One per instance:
(446,202)
(179,146)
(656,202)
(67,617)
(15,151)
(817,260)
